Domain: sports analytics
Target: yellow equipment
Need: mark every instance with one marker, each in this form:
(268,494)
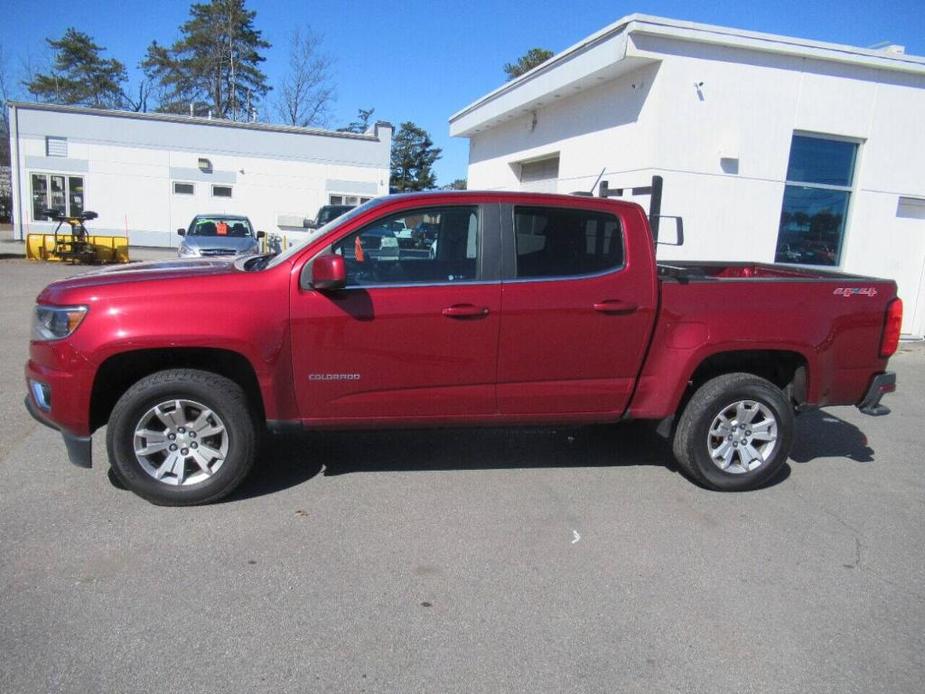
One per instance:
(76,245)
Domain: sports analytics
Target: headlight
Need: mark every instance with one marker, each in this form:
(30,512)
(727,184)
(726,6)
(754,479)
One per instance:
(187,251)
(56,322)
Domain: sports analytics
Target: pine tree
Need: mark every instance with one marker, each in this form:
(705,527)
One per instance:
(361,124)
(413,156)
(215,64)
(526,62)
(79,74)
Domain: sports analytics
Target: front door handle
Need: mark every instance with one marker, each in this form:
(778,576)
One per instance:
(465,311)
(615,306)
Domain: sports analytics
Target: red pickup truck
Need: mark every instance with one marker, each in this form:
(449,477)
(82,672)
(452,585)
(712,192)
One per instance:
(516,309)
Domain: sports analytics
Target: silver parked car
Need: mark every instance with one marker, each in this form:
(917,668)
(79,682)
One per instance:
(211,235)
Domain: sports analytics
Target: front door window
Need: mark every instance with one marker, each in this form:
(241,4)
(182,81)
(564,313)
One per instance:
(431,245)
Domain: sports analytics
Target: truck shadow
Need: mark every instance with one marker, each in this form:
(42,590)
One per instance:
(288,460)
(820,434)
(291,459)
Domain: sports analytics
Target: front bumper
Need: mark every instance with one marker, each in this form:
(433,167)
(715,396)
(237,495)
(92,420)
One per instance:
(79,448)
(880,385)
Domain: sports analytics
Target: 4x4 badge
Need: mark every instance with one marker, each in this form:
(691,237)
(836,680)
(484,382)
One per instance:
(851,291)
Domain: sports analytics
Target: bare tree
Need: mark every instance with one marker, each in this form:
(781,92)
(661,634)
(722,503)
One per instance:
(139,103)
(307,92)
(6,87)
(6,93)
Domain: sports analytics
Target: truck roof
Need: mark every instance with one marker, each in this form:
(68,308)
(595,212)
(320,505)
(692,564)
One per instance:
(505,194)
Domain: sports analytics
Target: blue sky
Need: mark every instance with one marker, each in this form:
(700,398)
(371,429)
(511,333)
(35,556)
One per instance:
(422,61)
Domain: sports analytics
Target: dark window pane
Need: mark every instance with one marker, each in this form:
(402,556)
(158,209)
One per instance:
(560,242)
(812,224)
(58,201)
(75,186)
(221,191)
(429,245)
(814,160)
(39,196)
(183,188)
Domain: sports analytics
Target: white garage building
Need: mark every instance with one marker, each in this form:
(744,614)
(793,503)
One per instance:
(148,174)
(770,147)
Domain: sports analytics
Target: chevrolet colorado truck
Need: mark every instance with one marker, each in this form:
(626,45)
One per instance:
(522,309)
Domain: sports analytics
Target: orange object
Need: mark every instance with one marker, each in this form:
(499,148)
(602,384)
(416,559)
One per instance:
(221,229)
(358,250)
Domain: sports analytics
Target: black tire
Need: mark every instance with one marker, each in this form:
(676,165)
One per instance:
(692,436)
(223,397)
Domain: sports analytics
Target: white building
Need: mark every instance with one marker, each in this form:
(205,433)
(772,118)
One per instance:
(770,147)
(148,174)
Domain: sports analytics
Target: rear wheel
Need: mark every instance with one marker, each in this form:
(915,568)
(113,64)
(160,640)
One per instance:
(182,437)
(735,433)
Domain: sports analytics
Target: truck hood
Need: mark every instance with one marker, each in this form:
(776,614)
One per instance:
(139,272)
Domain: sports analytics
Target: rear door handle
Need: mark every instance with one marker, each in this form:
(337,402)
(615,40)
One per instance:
(615,306)
(465,311)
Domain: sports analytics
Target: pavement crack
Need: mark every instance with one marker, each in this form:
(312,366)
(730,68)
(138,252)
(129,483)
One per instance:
(858,547)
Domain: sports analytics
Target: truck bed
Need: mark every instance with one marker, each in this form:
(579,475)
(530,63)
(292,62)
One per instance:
(830,322)
(700,271)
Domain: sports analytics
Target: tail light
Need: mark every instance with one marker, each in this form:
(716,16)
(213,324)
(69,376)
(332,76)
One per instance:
(891,327)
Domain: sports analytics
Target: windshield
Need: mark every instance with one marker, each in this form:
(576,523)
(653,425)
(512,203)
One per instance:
(298,244)
(233,227)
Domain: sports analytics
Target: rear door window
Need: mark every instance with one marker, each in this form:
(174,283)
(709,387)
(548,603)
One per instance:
(565,242)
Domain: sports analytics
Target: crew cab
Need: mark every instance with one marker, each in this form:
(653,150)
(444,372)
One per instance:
(522,309)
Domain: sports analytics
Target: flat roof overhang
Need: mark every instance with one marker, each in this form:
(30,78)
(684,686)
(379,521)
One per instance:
(602,57)
(611,52)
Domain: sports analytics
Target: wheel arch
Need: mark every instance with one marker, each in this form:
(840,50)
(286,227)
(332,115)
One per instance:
(120,371)
(787,369)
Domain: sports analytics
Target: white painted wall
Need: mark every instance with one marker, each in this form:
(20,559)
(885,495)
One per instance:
(657,120)
(131,165)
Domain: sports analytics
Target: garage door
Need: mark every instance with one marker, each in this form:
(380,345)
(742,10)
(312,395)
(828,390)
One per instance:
(540,176)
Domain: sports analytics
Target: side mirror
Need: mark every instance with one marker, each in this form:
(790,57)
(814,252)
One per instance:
(181,232)
(329,272)
(261,234)
(679,231)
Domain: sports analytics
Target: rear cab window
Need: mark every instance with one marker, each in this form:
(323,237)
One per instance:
(553,242)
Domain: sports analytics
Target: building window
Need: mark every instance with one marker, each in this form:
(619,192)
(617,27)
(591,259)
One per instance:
(75,195)
(56,146)
(540,176)
(342,199)
(183,189)
(911,208)
(815,208)
(562,242)
(221,191)
(64,194)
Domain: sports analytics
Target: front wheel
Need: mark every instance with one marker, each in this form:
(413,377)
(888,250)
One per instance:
(182,437)
(735,433)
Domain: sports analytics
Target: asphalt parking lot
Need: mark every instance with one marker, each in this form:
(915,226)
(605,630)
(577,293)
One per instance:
(492,561)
